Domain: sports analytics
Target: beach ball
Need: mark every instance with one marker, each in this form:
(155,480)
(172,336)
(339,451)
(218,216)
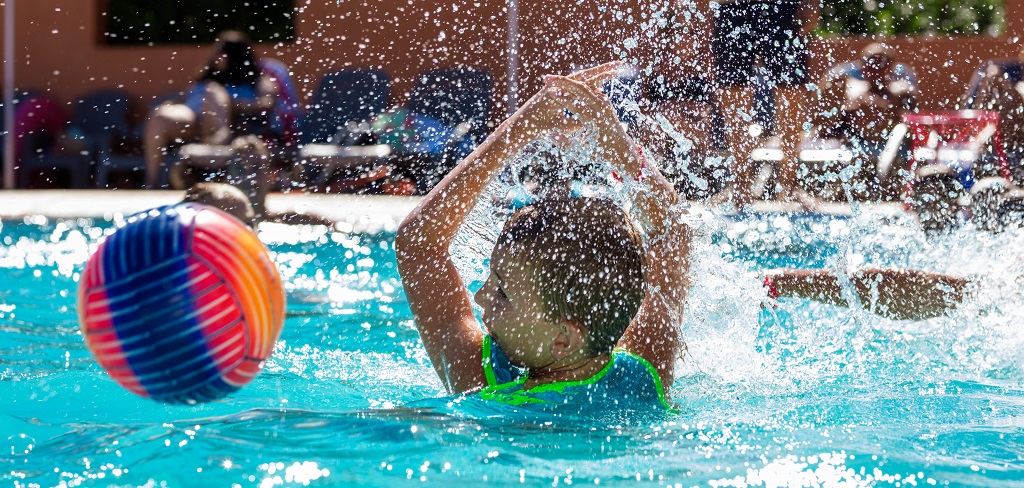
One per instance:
(182,304)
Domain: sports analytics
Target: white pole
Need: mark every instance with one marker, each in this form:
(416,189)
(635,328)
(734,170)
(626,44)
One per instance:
(512,45)
(9,95)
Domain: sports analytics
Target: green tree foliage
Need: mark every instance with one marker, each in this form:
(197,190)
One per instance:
(911,17)
(197,21)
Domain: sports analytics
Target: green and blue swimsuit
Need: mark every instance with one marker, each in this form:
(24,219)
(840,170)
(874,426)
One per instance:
(629,383)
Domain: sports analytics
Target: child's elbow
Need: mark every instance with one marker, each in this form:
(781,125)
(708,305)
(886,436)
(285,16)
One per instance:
(405,242)
(412,244)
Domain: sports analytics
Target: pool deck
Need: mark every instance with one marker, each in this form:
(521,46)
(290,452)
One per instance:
(351,212)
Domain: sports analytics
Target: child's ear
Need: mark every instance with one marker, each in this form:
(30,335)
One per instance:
(571,339)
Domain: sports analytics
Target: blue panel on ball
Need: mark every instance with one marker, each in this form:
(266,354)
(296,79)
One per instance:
(217,388)
(153,306)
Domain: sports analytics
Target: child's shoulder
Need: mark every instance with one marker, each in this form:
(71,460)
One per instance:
(638,377)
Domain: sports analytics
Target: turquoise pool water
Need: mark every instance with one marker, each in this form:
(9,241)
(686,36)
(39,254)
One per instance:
(806,395)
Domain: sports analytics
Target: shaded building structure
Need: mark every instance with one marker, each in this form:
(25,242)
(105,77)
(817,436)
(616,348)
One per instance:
(60,47)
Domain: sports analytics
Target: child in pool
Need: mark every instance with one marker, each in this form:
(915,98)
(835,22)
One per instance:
(568,313)
(224,197)
(236,203)
(578,310)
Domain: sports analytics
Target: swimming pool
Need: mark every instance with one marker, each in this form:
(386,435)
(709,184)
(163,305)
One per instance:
(805,394)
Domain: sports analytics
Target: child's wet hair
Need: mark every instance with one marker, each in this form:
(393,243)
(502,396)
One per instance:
(587,259)
(224,197)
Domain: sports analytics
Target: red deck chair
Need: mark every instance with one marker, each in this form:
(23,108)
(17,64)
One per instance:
(956,135)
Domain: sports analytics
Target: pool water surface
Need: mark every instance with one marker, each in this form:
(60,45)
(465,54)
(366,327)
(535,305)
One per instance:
(804,394)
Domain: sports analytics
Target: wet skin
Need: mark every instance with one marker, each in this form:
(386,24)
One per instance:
(513,315)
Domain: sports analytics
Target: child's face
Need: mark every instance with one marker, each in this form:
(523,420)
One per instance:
(513,314)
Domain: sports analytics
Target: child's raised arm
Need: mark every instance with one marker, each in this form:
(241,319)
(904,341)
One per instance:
(653,335)
(440,303)
(895,293)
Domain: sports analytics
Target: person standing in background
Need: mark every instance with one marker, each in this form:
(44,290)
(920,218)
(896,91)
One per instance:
(678,84)
(769,37)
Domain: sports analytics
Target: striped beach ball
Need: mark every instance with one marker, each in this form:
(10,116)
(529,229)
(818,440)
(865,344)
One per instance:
(182,304)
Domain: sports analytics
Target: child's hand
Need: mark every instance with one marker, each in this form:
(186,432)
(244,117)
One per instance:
(594,78)
(582,95)
(548,111)
(578,94)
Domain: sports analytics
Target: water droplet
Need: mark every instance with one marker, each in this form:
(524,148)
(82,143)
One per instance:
(21,444)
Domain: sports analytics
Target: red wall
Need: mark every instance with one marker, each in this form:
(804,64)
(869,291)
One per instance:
(59,48)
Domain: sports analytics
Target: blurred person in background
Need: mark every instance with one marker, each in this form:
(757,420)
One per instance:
(679,85)
(998,91)
(770,38)
(861,103)
(996,204)
(863,100)
(231,96)
(937,199)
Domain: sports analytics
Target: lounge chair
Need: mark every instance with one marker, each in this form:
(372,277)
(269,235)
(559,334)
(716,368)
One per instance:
(99,120)
(459,99)
(454,96)
(344,103)
(37,122)
(106,123)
